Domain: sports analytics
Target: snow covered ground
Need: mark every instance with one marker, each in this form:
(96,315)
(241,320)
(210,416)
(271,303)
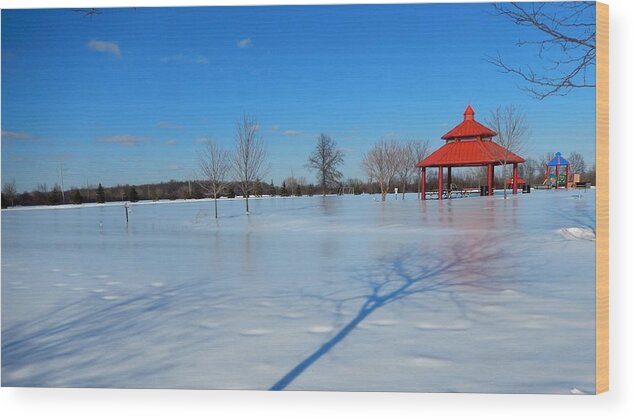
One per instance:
(338,293)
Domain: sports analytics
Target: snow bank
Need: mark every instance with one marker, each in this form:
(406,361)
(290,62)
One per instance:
(578,233)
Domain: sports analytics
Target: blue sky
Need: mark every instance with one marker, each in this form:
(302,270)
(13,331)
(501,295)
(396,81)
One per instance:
(127,96)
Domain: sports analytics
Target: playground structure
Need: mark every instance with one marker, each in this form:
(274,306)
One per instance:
(559,179)
(469,144)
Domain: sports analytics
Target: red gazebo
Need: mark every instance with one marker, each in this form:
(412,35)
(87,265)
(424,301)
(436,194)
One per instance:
(468,144)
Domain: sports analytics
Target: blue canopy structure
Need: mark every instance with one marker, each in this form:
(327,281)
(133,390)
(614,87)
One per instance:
(559,179)
(558,160)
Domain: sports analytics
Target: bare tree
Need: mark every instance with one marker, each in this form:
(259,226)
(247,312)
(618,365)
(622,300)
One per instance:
(577,163)
(565,40)
(510,124)
(325,160)
(214,166)
(419,150)
(381,164)
(249,156)
(10,191)
(406,165)
(531,170)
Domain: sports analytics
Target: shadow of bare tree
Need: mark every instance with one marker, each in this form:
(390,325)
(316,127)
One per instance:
(464,265)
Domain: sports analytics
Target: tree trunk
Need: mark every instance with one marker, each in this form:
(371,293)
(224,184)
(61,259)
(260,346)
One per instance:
(246,195)
(420,180)
(216,204)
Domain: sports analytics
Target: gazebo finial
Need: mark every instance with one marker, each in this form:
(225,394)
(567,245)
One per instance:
(469,113)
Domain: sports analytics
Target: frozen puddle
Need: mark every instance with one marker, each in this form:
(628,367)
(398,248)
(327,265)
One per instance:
(400,295)
(451,326)
(382,323)
(578,233)
(320,329)
(426,361)
(255,332)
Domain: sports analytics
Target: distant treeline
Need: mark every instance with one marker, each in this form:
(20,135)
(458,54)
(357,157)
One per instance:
(531,171)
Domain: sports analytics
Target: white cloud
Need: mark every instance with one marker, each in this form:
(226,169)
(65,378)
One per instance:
(169,142)
(15,135)
(292,133)
(244,43)
(109,47)
(185,58)
(124,139)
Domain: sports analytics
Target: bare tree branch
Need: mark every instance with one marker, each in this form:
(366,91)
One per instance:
(510,124)
(565,41)
(214,166)
(249,156)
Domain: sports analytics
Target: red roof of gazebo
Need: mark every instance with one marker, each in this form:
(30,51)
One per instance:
(469,153)
(469,127)
(465,147)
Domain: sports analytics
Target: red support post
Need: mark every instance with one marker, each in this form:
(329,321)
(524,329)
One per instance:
(440,182)
(515,178)
(557,176)
(567,172)
(492,180)
(423,183)
(489,177)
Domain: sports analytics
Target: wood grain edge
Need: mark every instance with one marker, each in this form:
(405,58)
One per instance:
(602,199)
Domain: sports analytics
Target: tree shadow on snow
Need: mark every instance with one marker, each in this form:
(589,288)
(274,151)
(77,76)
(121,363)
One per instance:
(466,264)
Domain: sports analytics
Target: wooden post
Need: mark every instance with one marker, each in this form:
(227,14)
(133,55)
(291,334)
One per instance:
(567,173)
(514,178)
(126,212)
(557,176)
(488,179)
(440,182)
(423,183)
(491,181)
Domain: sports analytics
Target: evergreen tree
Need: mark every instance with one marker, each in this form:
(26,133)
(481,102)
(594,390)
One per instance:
(55,196)
(133,195)
(272,190)
(283,191)
(297,191)
(75,197)
(101,194)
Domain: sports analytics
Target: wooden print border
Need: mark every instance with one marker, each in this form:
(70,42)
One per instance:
(602,199)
